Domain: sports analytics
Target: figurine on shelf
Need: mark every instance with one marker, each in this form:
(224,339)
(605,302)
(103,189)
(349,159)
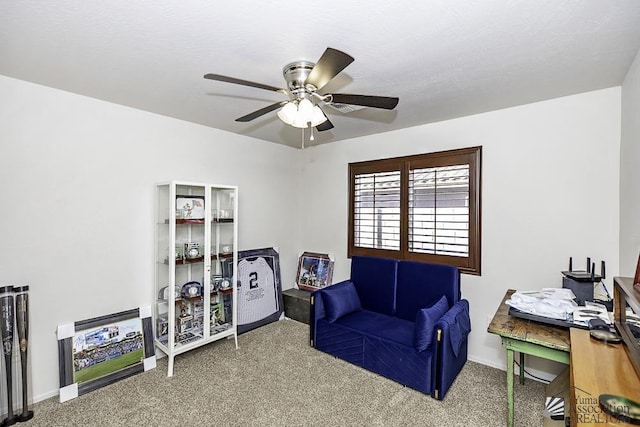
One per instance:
(216,315)
(185,320)
(187,210)
(183,309)
(162,327)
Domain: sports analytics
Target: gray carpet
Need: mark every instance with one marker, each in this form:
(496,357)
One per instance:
(276,379)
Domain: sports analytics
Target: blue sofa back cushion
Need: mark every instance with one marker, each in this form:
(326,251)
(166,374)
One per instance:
(342,300)
(421,284)
(426,319)
(375,281)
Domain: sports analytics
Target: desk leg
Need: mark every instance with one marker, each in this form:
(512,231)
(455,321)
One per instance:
(521,368)
(510,388)
(524,347)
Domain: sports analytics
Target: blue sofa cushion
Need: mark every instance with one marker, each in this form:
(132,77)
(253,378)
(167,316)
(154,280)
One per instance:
(426,320)
(375,281)
(399,362)
(341,300)
(421,284)
(378,325)
(388,352)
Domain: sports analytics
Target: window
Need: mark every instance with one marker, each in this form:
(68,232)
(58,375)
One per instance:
(423,208)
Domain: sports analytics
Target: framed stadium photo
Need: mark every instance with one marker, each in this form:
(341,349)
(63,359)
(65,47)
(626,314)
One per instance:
(315,271)
(96,352)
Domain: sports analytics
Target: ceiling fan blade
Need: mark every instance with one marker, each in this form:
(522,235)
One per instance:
(228,79)
(324,126)
(328,66)
(385,102)
(261,112)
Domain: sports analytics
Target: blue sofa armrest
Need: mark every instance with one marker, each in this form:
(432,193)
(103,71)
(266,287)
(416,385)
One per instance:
(451,333)
(317,311)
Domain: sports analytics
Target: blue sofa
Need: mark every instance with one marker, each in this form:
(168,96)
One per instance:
(403,320)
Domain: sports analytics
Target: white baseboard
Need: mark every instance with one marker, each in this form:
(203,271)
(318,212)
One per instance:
(546,376)
(45,396)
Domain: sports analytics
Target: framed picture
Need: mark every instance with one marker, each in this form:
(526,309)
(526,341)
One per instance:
(96,352)
(315,271)
(259,287)
(189,207)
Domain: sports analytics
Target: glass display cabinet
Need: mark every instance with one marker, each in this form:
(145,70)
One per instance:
(196,230)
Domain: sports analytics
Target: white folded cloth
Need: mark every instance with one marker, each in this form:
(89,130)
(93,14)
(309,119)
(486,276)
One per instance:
(555,303)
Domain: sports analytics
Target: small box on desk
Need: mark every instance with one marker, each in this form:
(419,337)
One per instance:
(297,304)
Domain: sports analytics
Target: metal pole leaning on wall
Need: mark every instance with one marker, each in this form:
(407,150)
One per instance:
(6,333)
(22,324)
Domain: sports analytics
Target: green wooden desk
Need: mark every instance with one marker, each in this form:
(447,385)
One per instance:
(526,337)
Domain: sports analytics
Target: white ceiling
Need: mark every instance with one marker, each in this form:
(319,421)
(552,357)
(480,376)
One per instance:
(442,58)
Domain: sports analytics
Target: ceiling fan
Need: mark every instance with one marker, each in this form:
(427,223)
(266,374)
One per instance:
(304,81)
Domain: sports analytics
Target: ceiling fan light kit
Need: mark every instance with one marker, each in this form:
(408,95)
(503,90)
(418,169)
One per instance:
(301,114)
(304,79)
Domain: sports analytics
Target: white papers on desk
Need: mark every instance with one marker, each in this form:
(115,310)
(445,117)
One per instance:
(591,310)
(554,303)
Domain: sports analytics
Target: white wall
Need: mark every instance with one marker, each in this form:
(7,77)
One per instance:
(550,191)
(630,172)
(77,200)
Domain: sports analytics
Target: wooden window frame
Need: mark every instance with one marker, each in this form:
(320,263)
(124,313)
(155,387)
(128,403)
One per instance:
(471,156)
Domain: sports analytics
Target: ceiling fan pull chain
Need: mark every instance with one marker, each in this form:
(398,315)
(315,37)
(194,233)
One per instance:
(311,138)
(302,138)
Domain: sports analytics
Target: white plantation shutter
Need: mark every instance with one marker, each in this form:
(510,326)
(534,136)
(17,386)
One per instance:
(439,210)
(376,215)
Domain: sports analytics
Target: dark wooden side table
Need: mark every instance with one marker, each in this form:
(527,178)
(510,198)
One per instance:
(297,304)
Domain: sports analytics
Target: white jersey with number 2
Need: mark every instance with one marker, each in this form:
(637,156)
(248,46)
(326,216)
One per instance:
(257,296)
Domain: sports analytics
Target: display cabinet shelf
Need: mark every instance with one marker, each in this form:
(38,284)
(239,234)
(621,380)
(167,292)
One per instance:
(196,260)
(200,221)
(209,312)
(190,221)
